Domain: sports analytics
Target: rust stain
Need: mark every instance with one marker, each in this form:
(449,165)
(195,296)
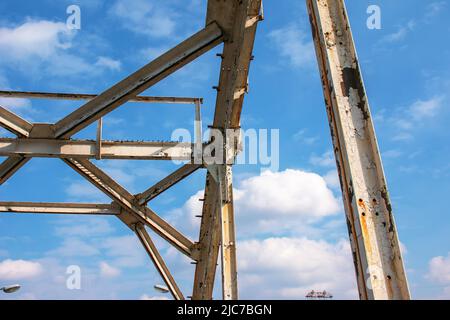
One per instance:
(389,287)
(365,234)
(362,205)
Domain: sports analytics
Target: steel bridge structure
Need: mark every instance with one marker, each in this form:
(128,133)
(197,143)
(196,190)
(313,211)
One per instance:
(373,236)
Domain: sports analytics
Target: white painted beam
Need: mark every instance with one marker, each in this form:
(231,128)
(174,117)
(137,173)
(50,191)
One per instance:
(373,234)
(56,148)
(59,208)
(15,124)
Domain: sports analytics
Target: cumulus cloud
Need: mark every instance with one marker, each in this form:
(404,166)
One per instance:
(34,39)
(332,179)
(288,268)
(439,269)
(19,269)
(277,254)
(290,192)
(270,203)
(293,44)
(44,47)
(439,273)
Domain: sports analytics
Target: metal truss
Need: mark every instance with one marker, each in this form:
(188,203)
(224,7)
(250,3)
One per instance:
(373,236)
(230,22)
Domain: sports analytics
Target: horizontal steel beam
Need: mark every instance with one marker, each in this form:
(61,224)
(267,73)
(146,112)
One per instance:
(166,183)
(55,148)
(15,124)
(140,81)
(59,208)
(84,96)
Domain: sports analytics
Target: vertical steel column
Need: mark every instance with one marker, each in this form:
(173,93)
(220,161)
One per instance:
(228,243)
(373,235)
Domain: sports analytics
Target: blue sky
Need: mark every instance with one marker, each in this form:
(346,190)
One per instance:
(286,246)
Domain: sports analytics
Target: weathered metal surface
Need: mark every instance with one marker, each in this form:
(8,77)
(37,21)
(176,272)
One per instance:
(59,208)
(208,244)
(166,183)
(239,21)
(84,96)
(13,123)
(373,235)
(227,226)
(56,148)
(139,214)
(158,261)
(233,21)
(139,81)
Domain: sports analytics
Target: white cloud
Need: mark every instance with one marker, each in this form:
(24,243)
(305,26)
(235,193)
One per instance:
(144,17)
(108,63)
(291,192)
(434,8)
(325,160)
(293,44)
(407,120)
(302,137)
(426,109)
(332,179)
(108,271)
(75,247)
(400,34)
(19,269)
(439,269)
(288,268)
(271,203)
(43,48)
(124,251)
(34,39)
(83,226)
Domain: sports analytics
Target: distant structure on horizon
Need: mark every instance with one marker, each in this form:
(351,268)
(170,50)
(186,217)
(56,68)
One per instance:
(319,295)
